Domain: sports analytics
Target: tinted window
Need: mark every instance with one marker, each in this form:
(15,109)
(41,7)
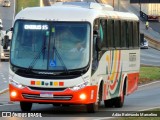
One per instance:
(123,34)
(135,34)
(130,34)
(117,37)
(103,32)
(110,32)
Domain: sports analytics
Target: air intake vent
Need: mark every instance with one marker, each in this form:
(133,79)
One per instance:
(55,97)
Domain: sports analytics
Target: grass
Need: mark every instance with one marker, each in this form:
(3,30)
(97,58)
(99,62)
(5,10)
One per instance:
(149,74)
(21,4)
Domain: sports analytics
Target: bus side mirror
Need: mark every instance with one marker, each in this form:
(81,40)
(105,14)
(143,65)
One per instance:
(5,42)
(11,29)
(98,43)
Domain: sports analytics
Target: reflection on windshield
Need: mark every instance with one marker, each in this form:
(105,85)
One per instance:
(50,46)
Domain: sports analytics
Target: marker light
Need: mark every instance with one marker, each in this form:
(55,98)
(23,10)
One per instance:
(82,96)
(16,84)
(80,86)
(13,94)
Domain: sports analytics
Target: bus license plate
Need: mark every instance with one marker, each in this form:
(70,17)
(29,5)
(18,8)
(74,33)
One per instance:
(46,95)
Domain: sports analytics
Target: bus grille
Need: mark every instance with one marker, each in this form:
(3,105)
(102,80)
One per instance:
(6,55)
(46,89)
(55,97)
(6,50)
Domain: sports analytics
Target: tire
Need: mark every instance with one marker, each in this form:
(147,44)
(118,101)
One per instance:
(109,103)
(65,105)
(119,101)
(25,106)
(92,107)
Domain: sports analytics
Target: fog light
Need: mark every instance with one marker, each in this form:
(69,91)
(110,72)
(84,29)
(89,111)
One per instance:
(83,96)
(2,54)
(13,94)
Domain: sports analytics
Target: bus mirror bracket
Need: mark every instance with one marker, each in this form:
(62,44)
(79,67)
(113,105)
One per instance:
(10,29)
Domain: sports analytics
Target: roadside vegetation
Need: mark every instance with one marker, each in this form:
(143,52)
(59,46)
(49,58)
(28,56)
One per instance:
(21,4)
(149,74)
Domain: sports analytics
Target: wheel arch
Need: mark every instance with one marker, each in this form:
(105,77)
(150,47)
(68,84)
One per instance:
(100,87)
(125,83)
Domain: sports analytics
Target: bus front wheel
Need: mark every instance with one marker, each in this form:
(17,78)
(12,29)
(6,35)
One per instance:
(25,106)
(92,107)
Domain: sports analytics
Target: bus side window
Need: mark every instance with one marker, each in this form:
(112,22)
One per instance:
(123,34)
(95,53)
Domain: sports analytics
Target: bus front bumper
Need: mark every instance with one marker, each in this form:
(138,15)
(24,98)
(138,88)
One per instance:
(85,95)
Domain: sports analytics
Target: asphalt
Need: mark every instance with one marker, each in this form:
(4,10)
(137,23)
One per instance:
(132,8)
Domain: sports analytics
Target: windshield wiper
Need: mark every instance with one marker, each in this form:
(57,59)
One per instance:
(59,57)
(36,58)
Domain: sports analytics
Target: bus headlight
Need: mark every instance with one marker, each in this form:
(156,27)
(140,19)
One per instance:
(80,86)
(16,84)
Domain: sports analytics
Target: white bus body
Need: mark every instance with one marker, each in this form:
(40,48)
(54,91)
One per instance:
(43,74)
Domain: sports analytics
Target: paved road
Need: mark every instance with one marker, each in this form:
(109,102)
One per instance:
(4,70)
(6,14)
(145,97)
(155,26)
(150,57)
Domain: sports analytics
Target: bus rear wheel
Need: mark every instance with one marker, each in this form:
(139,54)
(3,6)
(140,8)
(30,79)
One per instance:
(25,106)
(119,101)
(109,103)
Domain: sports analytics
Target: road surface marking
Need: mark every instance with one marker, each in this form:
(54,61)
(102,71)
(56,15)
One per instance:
(148,84)
(3,91)
(9,104)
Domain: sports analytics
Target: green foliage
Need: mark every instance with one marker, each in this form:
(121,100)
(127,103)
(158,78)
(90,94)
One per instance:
(148,74)
(21,4)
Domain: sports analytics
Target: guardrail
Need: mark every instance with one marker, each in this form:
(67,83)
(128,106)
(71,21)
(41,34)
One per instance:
(152,43)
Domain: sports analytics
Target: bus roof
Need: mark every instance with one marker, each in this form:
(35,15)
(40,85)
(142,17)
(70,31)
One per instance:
(71,12)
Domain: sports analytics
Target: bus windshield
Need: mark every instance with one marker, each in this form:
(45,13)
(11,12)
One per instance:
(55,46)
